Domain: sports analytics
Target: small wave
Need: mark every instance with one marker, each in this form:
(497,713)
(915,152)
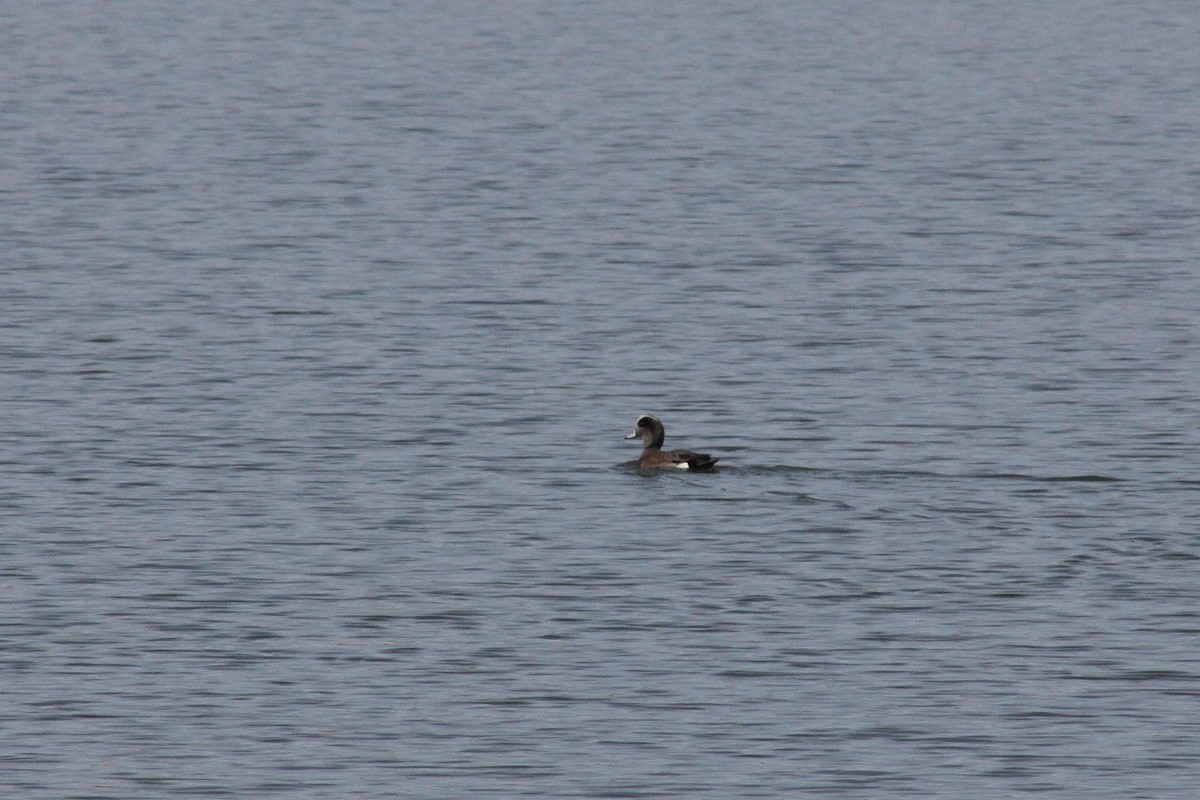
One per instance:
(1019,476)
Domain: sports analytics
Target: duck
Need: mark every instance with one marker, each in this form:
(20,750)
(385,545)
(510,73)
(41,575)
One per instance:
(650,430)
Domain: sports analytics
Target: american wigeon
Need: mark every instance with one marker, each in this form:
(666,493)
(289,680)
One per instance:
(652,433)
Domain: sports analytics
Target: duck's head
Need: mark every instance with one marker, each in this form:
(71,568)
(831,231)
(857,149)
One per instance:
(649,430)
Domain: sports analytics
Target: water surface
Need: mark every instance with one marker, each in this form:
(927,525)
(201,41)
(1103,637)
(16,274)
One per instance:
(323,324)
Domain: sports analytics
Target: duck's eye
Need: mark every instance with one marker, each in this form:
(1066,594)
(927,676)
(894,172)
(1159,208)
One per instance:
(644,422)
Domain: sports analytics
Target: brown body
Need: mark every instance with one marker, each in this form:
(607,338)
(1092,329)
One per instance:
(652,433)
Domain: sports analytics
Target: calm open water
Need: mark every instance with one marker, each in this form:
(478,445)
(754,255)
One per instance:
(323,322)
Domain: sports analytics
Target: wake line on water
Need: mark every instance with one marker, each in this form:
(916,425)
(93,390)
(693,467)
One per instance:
(920,473)
(894,474)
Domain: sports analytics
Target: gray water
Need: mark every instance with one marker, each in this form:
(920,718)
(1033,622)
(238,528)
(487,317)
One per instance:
(323,323)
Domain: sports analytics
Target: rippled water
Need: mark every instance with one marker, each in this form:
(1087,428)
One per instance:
(323,324)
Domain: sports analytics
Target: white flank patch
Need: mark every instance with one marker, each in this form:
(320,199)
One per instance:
(682,465)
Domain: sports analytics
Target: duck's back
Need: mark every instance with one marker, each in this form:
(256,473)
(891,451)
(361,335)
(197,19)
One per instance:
(679,459)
